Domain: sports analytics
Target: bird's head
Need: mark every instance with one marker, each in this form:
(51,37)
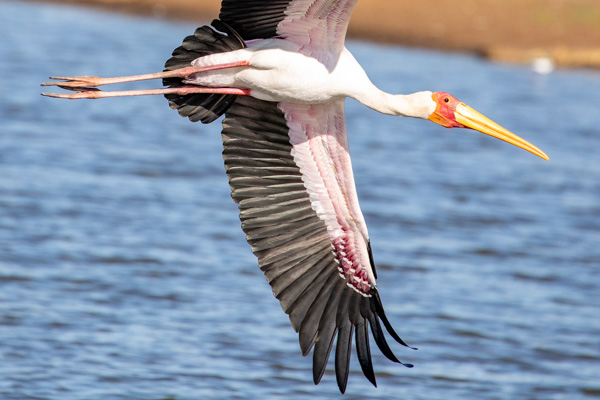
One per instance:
(452,113)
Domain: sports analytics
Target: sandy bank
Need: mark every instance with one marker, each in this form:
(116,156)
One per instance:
(509,30)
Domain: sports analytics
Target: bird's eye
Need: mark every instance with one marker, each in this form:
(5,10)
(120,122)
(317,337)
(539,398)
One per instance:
(446,100)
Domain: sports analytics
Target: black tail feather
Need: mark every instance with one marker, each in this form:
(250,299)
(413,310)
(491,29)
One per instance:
(204,107)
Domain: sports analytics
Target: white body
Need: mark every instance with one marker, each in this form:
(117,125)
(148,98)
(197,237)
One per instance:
(280,72)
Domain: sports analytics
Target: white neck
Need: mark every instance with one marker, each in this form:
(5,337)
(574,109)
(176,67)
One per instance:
(416,105)
(351,80)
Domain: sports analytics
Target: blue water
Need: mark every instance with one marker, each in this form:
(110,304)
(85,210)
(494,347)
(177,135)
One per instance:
(124,273)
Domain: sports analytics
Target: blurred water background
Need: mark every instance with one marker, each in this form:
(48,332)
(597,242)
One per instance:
(124,273)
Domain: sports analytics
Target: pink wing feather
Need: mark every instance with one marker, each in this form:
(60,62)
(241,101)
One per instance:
(320,149)
(318,27)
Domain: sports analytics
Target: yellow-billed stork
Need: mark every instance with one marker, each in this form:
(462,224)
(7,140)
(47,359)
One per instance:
(280,73)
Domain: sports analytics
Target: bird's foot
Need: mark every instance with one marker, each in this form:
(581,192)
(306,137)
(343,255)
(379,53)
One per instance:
(74,82)
(80,93)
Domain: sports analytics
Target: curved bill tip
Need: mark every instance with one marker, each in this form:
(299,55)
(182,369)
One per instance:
(470,118)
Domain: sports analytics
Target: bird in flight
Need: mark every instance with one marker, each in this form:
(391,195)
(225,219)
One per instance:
(279,71)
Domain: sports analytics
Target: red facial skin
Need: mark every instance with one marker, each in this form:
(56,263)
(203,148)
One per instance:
(444,112)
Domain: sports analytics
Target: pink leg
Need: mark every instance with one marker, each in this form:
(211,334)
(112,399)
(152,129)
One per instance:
(94,81)
(92,93)
(85,85)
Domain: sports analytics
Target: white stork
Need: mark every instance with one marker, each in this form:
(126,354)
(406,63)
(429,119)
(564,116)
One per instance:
(280,73)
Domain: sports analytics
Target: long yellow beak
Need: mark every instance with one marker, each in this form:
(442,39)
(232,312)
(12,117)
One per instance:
(475,120)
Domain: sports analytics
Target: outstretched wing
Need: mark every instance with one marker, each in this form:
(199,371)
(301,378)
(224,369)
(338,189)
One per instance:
(315,25)
(289,171)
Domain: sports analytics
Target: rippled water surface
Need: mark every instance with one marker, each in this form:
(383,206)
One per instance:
(124,273)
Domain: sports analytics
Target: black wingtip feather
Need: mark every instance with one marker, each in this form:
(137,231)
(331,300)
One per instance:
(327,332)
(386,322)
(343,351)
(382,343)
(309,325)
(363,350)
(343,347)
(321,355)
(380,339)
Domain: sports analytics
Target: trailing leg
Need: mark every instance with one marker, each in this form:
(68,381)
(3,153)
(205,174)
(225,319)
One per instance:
(198,103)
(75,82)
(93,93)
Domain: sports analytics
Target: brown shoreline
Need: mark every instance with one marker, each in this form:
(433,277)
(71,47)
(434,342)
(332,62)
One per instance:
(516,31)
